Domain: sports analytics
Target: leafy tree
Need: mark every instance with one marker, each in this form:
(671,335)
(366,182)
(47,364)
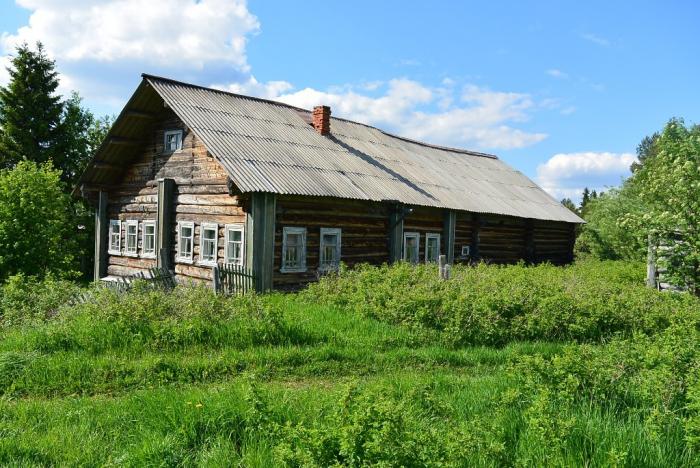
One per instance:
(30,109)
(603,235)
(669,185)
(585,198)
(569,204)
(36,223)
(645,150)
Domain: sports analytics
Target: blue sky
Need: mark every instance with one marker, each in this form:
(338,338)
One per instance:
(563,91)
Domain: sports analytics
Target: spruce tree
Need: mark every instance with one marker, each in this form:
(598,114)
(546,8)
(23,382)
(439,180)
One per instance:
(30,109)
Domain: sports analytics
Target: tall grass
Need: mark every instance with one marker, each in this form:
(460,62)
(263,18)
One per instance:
(375,367)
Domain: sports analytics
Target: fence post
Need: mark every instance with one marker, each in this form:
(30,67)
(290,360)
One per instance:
(442,262)
(215,279)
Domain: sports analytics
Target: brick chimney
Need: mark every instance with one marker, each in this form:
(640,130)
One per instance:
(321,119)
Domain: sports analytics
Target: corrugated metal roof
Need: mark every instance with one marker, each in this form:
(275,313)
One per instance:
(268,146)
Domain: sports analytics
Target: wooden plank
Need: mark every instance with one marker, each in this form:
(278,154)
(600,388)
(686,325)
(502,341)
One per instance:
(395,232)
(164,223)
(448,234)
(101,237)
(260,238)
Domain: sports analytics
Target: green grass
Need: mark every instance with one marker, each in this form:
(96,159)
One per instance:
(189,379)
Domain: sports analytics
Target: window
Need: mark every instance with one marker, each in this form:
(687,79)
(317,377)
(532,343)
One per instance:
(293,249)
(432,247)
(411,241)
(132,237)
(234,244)
(329,258)
(115,236)
(173,141)
(208,243)
(185,237)
(148,243)
(465,251)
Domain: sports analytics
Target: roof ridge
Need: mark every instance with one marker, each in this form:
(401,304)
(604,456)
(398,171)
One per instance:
(301,109)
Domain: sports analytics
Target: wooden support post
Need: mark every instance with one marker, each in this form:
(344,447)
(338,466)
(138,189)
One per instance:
(260,238)
(164,224)
(395,233)
(476,228)
(215,279)
(651,264)
(101,236)
(448,234)
(530,254)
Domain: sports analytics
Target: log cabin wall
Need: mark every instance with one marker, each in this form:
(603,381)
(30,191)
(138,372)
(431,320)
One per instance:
(464,235)
(424,221)
(502,239)
(201,196)
(554,242)
(363,227)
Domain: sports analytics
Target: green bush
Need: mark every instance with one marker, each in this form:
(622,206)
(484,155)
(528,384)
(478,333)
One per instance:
(25,300)
(146,318)
(650,379)
(37,229)
(493,305)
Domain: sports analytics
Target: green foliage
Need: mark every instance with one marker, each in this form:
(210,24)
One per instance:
(494,305)
(670,188)
(37,230)
(192,379)
(36,125)
(604,235)
(30,109)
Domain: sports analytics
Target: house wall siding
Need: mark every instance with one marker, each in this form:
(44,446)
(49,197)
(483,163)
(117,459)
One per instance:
(201,195)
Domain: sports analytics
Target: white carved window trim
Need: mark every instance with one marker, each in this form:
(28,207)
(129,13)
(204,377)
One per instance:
(428,237)
(301,267)
(409,235)
(229,228)
(208,227)
(185,257)
(323,262)
(144,252)
(131,251)
(110,249)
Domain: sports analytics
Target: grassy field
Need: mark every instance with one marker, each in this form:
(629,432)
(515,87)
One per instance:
(351,375)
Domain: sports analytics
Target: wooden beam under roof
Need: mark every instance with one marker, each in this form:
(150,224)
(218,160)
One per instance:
(139,114)
(108,166)
(124,141)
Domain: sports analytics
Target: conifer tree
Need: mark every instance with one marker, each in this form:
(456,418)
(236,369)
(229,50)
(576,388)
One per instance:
(30,109)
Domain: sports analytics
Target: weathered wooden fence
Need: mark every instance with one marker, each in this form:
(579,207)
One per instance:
(157,277)
(228,278)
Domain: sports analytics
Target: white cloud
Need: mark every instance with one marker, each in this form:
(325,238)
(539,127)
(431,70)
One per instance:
(160,31)
(101,46)
(596,39)
(567,174)
(472,117)
(556,73)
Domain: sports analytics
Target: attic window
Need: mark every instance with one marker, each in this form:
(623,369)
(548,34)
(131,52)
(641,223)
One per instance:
(173,141)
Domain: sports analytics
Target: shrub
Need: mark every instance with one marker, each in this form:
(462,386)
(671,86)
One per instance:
(25,300)
(493,305)
(37,233)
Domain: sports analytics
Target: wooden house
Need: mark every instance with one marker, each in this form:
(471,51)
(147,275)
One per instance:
(189,177)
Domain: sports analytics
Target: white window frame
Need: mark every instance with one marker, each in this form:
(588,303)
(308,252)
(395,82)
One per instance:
(165,140)
(110,250)
(428,236)
(144,223)
(466,250)
(230,228)
(406,236)
(206,227)
(187,258)
(135,251)
(302,261)
(322,251)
